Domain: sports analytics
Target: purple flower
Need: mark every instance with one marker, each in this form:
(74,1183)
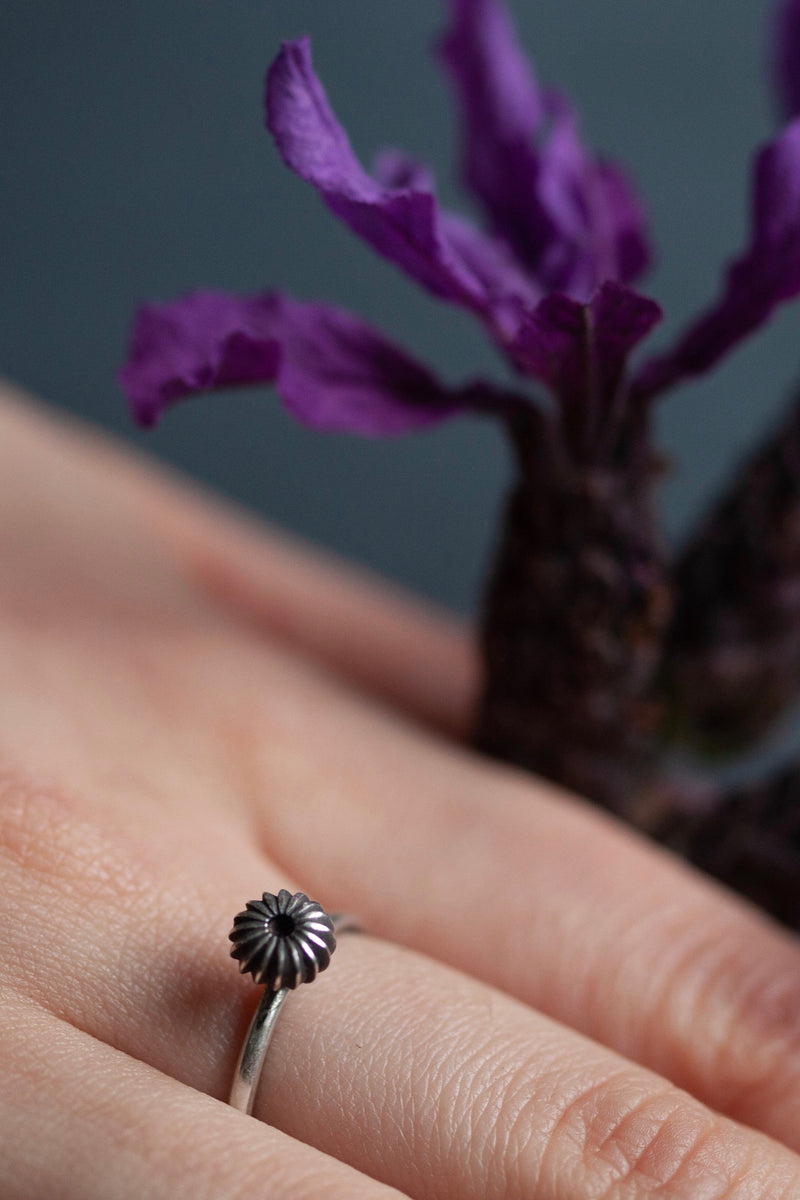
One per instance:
(549,277)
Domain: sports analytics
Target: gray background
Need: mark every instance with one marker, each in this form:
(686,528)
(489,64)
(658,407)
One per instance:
(134,165)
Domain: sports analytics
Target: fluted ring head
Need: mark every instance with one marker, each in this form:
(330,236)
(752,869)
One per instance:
(283,940)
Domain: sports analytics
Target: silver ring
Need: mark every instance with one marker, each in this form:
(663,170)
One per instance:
(282,941)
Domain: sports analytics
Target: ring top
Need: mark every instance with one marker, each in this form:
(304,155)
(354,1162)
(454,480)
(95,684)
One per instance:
(283,940)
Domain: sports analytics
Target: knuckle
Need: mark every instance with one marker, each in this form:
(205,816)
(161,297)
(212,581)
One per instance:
(622,1131)
(736,1004)
(625,1134)
(761,1058)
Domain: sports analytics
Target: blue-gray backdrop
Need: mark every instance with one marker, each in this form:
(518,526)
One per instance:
(134,164)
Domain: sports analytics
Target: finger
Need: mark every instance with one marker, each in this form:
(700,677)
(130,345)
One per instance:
(81,1121)
(63,484)
(608,934)
(409,1072)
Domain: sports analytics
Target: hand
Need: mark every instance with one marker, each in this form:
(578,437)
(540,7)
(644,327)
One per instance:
(193,711)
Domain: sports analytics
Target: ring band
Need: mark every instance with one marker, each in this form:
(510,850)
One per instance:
(282,941)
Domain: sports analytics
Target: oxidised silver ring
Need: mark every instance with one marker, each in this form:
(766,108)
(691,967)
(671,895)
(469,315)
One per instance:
(282,941)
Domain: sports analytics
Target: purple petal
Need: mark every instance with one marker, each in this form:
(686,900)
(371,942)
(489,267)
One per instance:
(786,57)
(339,374)
(207,340)
(580,350)
(509,291)
(398,214)
(571,219)
(765,276)
(498,89)
(330,369)
(631,246)
(490,261)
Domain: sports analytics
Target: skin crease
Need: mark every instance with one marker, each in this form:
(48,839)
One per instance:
(186,721)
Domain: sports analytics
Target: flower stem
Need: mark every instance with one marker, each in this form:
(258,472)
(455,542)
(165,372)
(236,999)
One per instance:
(574,619)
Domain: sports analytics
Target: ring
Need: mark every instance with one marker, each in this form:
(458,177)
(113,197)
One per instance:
(282,941)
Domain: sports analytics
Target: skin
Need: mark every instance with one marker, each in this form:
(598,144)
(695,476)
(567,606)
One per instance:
(194,710)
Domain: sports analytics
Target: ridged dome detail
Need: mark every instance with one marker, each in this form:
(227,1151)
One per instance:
(283,940)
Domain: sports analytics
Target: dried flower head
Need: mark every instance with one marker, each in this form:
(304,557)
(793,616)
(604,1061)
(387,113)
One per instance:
(283,940)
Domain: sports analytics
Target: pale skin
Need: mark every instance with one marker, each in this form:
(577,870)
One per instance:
(194,710)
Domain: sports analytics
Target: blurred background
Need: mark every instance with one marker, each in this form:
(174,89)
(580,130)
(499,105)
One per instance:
(135,165)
